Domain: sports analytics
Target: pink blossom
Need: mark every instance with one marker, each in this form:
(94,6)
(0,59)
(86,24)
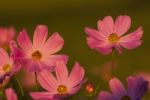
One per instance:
(7,65)
(137,86)
(10,94)
(40,54)
(112,35)
(61,86)
(6,35)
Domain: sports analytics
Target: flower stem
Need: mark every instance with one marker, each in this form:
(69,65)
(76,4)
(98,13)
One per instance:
(36,81)
(112,63)
(20,87)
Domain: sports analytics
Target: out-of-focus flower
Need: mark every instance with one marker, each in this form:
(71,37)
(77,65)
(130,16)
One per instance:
(111,35)
(28,80)
(90,90)
(7,66)
(10,94)
(61,86)
(137,86)
(146,76)
(39,55)
(103,71)
(6,35)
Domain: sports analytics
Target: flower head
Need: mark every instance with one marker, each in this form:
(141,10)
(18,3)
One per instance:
(7,66)
(137,86)
(61,86)
(111,35)
(6,35)
(10,94)
(39,55)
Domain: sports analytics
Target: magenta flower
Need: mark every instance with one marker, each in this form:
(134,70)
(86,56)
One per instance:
(7,66)
(41,54)
(6,35)
(137,86)
(61,86)
(112,35)
(10,94)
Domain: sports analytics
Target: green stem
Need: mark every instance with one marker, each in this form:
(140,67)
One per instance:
(112,63)
(20,87)
(36,80)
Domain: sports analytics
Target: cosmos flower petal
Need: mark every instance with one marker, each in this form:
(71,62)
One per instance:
(76,75)
(101,46)
(122,24)
(53,44)
(117,88)
(61,72)
(41,95)
(4,58)
(137,87)
(10,94)
(50,61)
(40,36)
(106,96)
(95,34)
(24,40)
(6,35)
(47,80)
(106,25)
(132,40)
(75,89)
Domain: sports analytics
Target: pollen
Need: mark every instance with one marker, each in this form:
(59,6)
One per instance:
(37,55)
(125,98)
(62,89)
(113,38)
(6,67)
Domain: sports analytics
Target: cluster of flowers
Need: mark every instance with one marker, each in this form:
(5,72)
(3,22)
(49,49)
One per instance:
(39,57)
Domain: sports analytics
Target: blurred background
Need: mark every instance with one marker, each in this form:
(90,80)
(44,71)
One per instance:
(69,18)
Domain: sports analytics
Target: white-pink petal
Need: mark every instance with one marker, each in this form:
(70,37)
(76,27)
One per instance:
(132,40)
(76,76)
(61,72)
(24,40)
(10,94)
(106,25)
(40,36)
(53,44)
(47,80)
(4,57)
(41,95)
(122,24)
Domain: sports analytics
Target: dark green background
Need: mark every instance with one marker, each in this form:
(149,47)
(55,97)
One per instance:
(70,17)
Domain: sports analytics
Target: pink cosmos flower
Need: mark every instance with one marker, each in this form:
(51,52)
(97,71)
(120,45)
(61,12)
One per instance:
(10,94)
(40,54)
(112,35)
(61,86)
(7,66)
(137,86)
(6,35)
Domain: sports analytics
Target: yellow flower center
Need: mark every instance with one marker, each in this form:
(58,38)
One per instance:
(62,89)
(37,55)
(113,38)
(125,98)
(6,68)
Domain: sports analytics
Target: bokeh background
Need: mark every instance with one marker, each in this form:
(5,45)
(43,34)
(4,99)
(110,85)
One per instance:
(69,18)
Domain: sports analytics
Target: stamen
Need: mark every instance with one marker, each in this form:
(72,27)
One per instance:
(62,89)
(6,68)
(113,38)
(37,55)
